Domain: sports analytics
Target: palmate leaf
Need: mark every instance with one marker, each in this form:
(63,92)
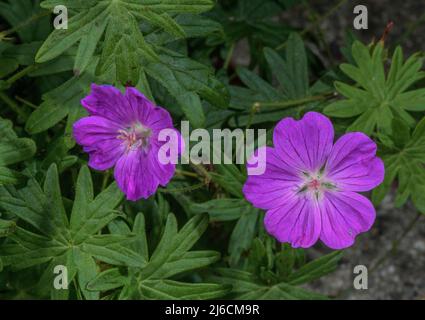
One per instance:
(170,258)
(404,159)
(252,21)
(247,286)
(227,209)
(59,103)
(187,81)
(315,269)
(262,281)
(272,102)
(54,239)
(16,12)
(6,227)
(111,30)
(12,150)
(120,21)
(378,97)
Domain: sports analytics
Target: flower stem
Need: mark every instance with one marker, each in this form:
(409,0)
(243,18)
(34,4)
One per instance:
(105,180)
(293,103)
(25,23)
(26,102)
(200,170)
(187,173)
(12,105)
(286,104)
(183,189)
(229,56)
(21,74)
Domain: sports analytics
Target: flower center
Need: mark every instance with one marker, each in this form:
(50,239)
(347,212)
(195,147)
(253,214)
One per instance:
(135,136)
(315,184)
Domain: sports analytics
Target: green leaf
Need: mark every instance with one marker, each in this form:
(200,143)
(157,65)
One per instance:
(255,83)
(170,258)
(87,46)
(243,235)
(8,176)
(108,280)
(377,97)
(229,178)
(6,227)
(7,66)
(74,243)
(247,286)
(405,162)
(232,209)
(187,81)
(112,29)
(293,75)
(59,103)
(170,290)
(16,12)
(315,269)
(12,150)
(124,43)
(296,65)
(16,150)
(262,102)
(222,209)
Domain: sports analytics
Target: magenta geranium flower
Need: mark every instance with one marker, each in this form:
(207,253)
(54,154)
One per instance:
(310,185)
(122,131)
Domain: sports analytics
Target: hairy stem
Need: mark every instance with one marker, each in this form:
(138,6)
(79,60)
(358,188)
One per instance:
(256,107)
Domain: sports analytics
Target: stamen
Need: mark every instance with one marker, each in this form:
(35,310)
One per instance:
(315,184)
(135,136)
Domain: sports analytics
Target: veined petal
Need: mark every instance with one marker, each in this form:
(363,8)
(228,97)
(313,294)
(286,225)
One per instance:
(304,144)
(138,174)
(297,222)
(271,189)
(353,165)
(147,113)
(123,130)
(98,136)
(108,102)
(163,173)
(344,216)
(131,177)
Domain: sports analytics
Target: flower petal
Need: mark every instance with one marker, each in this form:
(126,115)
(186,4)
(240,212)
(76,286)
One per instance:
(352,164)
(163,173)
(108,102)
(139,174)
(270,189)
(344,216)
(297,222)
(304,144)
(98,136)
(156,118)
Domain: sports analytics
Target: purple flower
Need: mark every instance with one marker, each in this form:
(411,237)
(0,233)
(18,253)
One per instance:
(122,131)
(310,184)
